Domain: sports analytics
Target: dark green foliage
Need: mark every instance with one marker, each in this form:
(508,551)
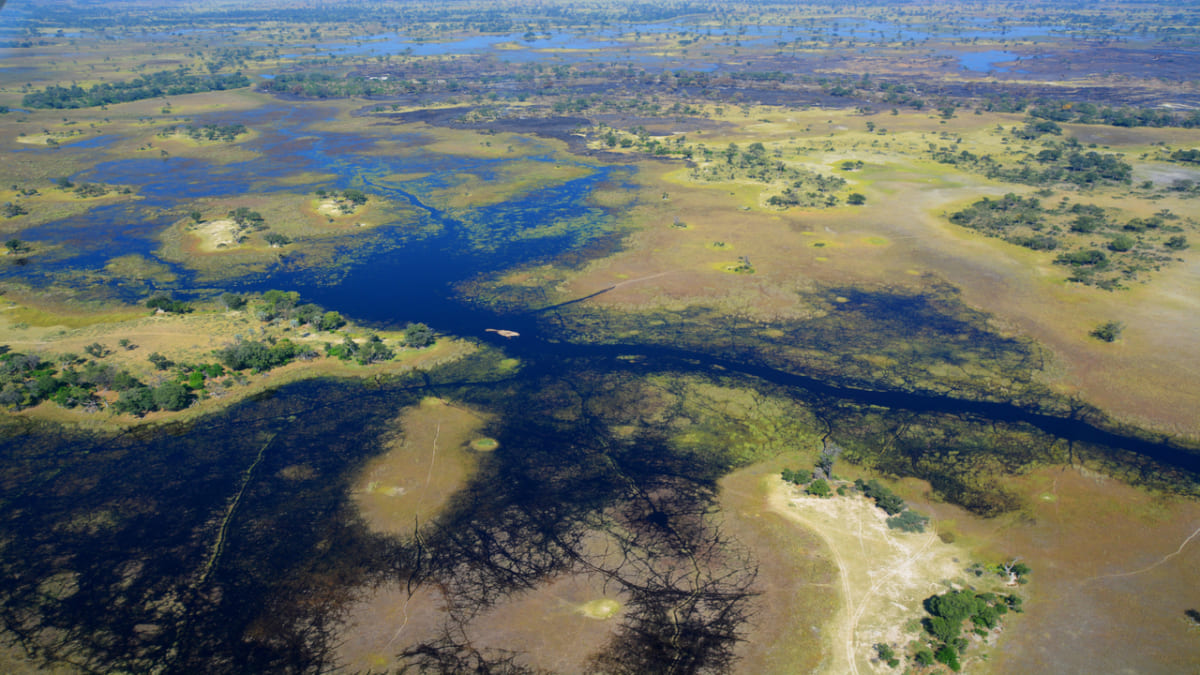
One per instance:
(886,654)
(1037,242)
(276,239)
(924,656)
(1108,331)
(1085,257)
(136,401)
(884,498)
(374,351)
(166,304)
(1176,243)
(948,611)
(856,199)
(154,85)
(1034,129)
(819,488)
(11,210)
(996,215)
(796,477)
(90,190)
(97,350)
(233,300)
(26,380)
(172,396)
(949,656)
(908,521)
(160,362)
(244,217)
(355,197)
(211,132)
(344,351)
(418,335)
(1121,243)
(331,321)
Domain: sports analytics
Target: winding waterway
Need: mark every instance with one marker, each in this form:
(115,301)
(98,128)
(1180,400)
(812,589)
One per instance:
(204,548)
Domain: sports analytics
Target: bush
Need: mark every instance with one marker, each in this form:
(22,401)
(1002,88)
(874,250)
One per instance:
(233,300)
(1121,243)
(819,488)
(172,396)
(136,401)
(949,656)
(1108,331)
(418,335)
(908,521)
(331,321)
(166,304)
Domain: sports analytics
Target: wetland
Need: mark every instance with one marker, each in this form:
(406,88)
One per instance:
(437,338)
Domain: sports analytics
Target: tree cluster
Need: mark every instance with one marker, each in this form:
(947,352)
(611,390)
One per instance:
(154,85)
(27,380)
(944,624)
(1090,234)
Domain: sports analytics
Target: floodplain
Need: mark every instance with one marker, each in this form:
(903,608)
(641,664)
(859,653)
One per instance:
(554,338)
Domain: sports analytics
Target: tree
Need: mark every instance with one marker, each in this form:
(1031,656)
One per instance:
(96,350)
(1108,331)
(14,245)
(172,396)
(908,521)
(1121,243)
(819,488)
(276,240)
(331,321)
(136,401)
(949,656)
(233,300)
(374,351)
(160,362)
(418,335)
(856,199)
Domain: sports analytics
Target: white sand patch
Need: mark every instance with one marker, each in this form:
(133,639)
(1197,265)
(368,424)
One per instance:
(218,234)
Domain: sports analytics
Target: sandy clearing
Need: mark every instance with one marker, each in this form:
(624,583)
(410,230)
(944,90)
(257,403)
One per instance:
(217,234)
(884,575)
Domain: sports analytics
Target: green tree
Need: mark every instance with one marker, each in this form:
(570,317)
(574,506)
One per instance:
(233,300)
(1121,243)
(856,199)
(331,321)
(418,335)
(1108,331)
(819,488)
(136,401)
(172,396)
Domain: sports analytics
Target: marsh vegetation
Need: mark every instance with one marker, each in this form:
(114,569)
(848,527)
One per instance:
(510,319)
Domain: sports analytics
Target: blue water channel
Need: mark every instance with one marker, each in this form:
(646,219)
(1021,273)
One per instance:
(390,279)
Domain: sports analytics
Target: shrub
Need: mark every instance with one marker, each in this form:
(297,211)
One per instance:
(1121,243)
(418,335)
(819,488)
(908,521)
(1108,331)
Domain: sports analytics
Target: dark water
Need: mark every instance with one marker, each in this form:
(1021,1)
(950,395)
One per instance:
(227,545)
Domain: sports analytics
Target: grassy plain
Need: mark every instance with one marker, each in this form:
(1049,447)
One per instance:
(188,338)
(901,238)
